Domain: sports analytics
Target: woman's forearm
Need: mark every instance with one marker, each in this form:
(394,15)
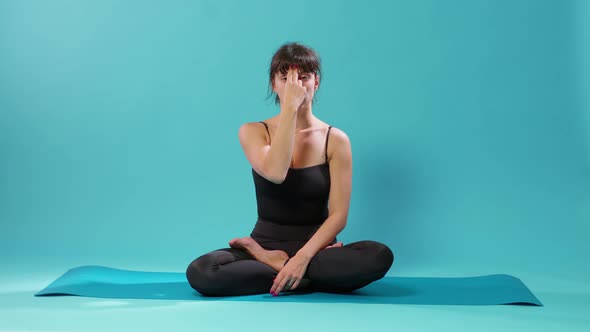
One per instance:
(278,157)
(323,236)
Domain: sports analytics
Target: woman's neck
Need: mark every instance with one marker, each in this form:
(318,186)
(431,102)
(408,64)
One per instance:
(305,118)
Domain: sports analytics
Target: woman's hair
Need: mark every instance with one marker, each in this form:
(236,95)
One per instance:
(293,53)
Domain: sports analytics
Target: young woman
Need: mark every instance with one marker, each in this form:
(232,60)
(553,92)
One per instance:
(299,164)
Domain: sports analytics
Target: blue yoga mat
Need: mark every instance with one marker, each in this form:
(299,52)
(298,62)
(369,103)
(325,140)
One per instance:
(105,282)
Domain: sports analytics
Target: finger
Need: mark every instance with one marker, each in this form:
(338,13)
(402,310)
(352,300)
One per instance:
(291,283)
(291,74)
(281,286)
(287,284)
(275,285)
(276,288)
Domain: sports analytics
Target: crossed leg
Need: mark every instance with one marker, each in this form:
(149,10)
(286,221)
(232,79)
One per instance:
(237,271)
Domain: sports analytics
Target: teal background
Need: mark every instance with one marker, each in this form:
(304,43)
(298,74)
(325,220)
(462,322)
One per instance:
(470,130)
(469,124)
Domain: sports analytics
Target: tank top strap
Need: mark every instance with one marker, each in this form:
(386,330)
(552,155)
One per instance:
(327,135)
(266,126)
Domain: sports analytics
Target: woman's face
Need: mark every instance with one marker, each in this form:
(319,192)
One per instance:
(309,81)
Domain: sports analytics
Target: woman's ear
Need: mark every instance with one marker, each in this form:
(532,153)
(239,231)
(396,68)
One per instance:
(317,82)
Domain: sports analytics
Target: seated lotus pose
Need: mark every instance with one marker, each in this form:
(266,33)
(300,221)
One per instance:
(299,164)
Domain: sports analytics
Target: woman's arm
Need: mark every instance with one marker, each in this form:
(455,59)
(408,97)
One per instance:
(272,160)
(339,199)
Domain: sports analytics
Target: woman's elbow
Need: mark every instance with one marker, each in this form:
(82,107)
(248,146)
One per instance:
(340,219)
(276,179)
(272,176)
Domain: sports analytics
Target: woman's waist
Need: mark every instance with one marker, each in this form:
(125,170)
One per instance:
(270,230)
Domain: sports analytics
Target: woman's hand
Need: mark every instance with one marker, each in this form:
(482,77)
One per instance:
(293,91)
(290,275)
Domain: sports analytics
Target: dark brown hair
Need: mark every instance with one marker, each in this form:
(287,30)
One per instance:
(290,54)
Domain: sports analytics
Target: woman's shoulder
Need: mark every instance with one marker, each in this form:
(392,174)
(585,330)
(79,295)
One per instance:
(253,126)
(338,145)
(256,125)
(339,136)
(251,131)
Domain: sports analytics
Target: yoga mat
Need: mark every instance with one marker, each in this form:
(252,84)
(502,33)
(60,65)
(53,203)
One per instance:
(105,282)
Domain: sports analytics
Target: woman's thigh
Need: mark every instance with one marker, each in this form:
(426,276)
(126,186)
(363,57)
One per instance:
(229,271)
(349,267)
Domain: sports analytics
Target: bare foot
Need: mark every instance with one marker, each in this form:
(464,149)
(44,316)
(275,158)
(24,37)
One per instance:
(272,258)
(335,245)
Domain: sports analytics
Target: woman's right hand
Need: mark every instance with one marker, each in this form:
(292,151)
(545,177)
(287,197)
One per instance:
(293,91)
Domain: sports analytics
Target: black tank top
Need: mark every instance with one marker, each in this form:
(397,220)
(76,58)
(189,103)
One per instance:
(302,199)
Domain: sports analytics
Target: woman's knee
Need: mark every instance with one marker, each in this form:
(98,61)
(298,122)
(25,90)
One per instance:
(201,273)
(381,255)
(351,267)
(384,256)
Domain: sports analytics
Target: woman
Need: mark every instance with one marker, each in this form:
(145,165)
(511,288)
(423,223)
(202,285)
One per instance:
(299,163)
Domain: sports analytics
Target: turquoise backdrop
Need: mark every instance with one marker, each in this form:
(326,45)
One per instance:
(469,123)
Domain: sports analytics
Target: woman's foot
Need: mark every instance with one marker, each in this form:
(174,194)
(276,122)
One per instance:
(272,258)
(335,245)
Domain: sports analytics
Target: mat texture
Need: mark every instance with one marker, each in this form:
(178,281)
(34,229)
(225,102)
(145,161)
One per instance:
(105,282)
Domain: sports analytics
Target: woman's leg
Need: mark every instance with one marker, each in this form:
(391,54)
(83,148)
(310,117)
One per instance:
(349,267)
(229,271)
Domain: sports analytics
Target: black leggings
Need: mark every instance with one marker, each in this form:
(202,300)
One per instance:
(231,271)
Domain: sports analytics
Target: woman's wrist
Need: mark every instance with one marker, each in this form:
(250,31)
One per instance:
(289,108)
(305,255)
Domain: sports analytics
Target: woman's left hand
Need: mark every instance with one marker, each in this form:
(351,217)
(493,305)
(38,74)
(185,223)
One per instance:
(290,275)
